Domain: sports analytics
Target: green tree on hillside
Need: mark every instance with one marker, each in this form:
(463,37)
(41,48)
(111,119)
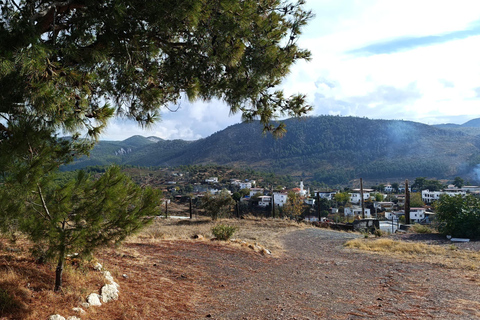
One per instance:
(422,183)
(217,205)
(395,186)
(416,200)
(294,206)
(342,198)
(458,182)
(459,216)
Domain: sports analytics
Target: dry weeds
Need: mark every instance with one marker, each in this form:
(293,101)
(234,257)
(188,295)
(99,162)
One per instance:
(439,255)
(265,232)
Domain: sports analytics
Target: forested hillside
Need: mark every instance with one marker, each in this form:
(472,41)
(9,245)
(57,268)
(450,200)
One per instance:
(327,149)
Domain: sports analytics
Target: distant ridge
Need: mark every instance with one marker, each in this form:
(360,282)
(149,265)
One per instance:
(328,149)
(474,123)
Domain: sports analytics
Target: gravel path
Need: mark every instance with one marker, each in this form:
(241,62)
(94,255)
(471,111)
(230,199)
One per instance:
(319,279)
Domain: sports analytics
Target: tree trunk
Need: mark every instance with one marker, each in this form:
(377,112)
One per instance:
(59,270)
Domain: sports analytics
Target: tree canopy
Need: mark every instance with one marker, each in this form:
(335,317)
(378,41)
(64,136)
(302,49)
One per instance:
(74,64)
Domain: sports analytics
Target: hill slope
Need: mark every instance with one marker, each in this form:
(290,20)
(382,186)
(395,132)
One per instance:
(329,149)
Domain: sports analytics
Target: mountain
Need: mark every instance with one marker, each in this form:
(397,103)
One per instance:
(329,149)
(471,127)
(474,123)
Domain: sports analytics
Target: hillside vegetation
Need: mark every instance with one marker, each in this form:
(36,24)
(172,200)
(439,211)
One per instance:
(328,149)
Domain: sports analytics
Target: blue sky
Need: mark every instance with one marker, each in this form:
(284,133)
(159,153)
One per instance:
(410,60)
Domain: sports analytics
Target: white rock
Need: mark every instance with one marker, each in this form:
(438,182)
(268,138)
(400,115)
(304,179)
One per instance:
(79,310)
(97,266)
(73,318)
(94,299)
(109,292)
(56,317)
(86,305)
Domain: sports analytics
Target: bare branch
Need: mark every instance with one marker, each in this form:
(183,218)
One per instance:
(15,4)
(44,204)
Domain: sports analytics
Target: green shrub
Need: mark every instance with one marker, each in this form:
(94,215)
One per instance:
(459,216)
(419,228)
(223,232)
(378,233)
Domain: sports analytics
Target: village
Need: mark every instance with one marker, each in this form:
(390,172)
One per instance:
(384,203)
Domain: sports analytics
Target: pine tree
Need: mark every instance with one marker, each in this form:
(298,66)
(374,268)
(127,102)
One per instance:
(85,214)
(71,66)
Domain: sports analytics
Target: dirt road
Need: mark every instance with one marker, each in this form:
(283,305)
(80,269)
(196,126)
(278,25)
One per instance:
(317,278)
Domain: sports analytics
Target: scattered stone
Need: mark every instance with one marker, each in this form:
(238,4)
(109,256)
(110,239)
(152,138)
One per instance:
(73,318)
(94,299)
(97,266)
(109,292)
(109,278)
(86,305)
(56,317)
(198,237)
(124,276)
(79,310)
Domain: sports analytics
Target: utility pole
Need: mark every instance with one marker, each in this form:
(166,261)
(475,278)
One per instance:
(190,208)
(166,207)
(273,205)
(361,198)
(318,206)
(407,203)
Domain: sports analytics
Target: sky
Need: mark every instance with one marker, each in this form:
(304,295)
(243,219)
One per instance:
(415,60)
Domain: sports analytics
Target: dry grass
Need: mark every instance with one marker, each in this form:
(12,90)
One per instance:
(263,231)
(26,288)
(448,257)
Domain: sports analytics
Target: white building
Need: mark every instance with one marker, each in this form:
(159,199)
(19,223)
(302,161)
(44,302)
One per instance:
(280,198)
(356,211)
(389,215)
(388,188)
(264,201)
(303,192)
(309,201)
(472,189)
(330,195)
(245,185)
(211,180)
(431,196)
(355,197)
(254,191)
(417,215)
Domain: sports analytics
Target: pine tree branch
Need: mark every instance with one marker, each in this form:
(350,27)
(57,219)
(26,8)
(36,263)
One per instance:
(37,211)
(44,204)
(46,18)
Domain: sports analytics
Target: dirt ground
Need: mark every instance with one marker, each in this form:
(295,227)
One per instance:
(310,275)
(315,278)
